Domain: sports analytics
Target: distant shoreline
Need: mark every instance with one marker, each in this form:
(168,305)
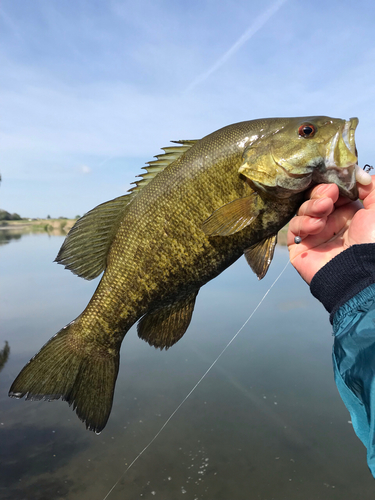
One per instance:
(63,226)
(51,226)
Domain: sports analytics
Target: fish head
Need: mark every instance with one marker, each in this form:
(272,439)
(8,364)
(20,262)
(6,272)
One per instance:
(294,154)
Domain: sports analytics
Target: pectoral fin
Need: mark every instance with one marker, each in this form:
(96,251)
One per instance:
(164,327)
(259,256)
(233,217)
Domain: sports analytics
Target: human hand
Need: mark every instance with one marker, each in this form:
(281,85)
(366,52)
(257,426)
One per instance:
(328,224)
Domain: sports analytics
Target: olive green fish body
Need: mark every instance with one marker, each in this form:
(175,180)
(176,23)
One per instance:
(198,208)
(160,251)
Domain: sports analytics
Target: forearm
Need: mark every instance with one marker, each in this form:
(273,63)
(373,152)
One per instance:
(346,287)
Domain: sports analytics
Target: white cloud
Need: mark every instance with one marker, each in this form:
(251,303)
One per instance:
(85,169)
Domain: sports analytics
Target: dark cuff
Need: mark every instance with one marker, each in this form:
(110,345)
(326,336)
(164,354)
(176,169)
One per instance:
(344,276)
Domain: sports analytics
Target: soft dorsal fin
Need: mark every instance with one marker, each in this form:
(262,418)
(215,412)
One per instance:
(259,256)
(232,217)
(165,326)
(171,154)
(85,249)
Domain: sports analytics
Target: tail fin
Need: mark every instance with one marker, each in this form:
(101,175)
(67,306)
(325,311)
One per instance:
(85,377)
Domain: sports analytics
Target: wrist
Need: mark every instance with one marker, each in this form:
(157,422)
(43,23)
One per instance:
(344,276)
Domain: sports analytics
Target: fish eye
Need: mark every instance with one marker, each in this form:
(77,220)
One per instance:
(306,130)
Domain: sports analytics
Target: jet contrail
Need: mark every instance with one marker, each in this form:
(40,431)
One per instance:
(259,22)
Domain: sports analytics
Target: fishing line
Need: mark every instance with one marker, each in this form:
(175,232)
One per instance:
(298,239)
(196,385)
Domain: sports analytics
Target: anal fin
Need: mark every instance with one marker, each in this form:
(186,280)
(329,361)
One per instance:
(165,326)
(259,256)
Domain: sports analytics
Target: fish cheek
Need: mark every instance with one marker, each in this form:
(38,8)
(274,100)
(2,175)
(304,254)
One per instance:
(277,173)
(259,167)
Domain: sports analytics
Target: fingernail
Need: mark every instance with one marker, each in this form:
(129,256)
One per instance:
(323,188)
(319,202)
(316,220)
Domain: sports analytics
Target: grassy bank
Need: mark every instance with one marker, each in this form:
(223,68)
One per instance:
(51,226)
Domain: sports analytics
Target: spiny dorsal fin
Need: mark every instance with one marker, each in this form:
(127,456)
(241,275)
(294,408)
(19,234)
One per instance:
(232,217)
(85,249)
(171,154)
(259,256)
(164,327)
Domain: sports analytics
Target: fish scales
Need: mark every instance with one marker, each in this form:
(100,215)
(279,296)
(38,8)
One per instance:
(194,213)
(155,214)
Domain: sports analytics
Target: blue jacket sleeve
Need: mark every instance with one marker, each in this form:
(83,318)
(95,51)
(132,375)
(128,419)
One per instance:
(346,287)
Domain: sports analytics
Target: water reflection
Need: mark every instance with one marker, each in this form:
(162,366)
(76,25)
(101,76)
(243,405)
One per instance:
(40,454)
(6,236)
(4,355)
(51,228)
(266,422)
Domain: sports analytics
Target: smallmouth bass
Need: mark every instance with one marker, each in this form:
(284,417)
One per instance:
(196,210)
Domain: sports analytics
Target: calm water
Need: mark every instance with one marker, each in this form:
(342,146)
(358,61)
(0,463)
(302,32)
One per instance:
(266,423)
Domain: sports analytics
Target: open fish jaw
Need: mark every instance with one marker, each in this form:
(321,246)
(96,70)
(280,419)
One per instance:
(348,134)
(341,161)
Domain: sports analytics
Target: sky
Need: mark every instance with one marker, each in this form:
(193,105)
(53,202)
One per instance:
(91,90)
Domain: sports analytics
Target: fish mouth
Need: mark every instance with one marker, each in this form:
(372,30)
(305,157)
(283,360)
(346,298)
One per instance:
(340,161)
(348,134)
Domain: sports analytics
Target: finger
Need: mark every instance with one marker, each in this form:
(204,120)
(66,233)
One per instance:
(325,191)
(315,232)
(342,201)
(304,226)
(311,219)
(320,207)
(367,194)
